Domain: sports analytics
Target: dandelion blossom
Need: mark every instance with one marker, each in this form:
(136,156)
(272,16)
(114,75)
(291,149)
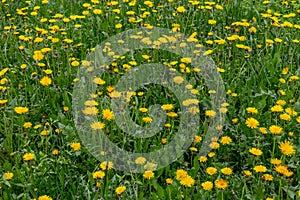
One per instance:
(75,146)
(180,174)
(276,130)
(21,110)
(107,114)
(98,174)
(187,181)
(287,148)
(28,156)
(120,189)
(221,183)
(44,197)
(181,9)
(148,175)
(207,185)
(211,170)
(255,151)
(252,123)
(260,168)
(8,176)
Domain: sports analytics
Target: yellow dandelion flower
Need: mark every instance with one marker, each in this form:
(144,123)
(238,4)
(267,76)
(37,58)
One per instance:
(140,161)
(208,185)
(210,113)
(275,161)
(212,22)
(3,101)
(107,114)
(148,175)
(180,9)
(211,170)
(285,117)
(178,79)
(98,174)
(291,112)
(119,190)
(255,151)
(267,177)
(97,11)
(180,174)
(252,110)
(277,108)
(75,146)
(106,165)
(55,152)
(281,169)
(97,125)
(260,168)
(287,148)
(172,114)
(147,119)
(225,140)
(28,156)
(226,171)
(252,123)
(90,111)
(99,81)
(187,181)
(8,176)
(46,81)
(275,129)
(143,110)
(21,110)
(221,184)
(169,181)
(27,124)
(208,52)
(247,173)
(118,26)
(197,139)
(44,197)
(235,120)
(38,55)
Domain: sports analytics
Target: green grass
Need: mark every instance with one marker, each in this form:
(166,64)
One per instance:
(251,79)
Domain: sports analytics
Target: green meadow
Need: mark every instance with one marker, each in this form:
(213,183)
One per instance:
(252,153)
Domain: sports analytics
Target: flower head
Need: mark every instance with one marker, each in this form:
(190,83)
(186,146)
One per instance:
(221,183)
(252,123)
(207,185)
(148,174)
(98,174)
(106,165)
(287,148)
(44,197)
(187,181)
(28,156)
(75,146)
(108,114)
(21,110)
(275,129)
(120,189)
(180,174)
(8,175)
(260,168)
(211,170)
(255,151)
(226,171)
(180,9)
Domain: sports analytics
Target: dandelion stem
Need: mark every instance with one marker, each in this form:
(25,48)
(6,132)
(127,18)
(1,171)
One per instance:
(274,143)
